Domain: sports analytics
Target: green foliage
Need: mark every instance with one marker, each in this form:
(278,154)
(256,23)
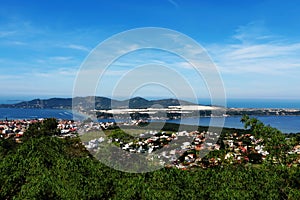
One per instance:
(120,134)
(7,146)
(275,141)
(41,168)
(46,128)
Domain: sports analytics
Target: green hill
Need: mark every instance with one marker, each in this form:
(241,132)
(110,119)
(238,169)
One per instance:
(100,103)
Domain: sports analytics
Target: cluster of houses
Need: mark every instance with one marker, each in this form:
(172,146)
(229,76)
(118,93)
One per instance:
(67,128)
(94,144)
(16,128)
(95,126)
(295,150)
(189,149)
(244,148)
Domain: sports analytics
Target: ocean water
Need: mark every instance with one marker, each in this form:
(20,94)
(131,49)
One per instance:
(263,103)
(256,103)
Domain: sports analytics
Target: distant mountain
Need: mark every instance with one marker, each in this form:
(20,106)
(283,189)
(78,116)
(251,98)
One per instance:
(101,103)
(40,103)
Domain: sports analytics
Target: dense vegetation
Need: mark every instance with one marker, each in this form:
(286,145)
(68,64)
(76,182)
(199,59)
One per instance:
(47,167)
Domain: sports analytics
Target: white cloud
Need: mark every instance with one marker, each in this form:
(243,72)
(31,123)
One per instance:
(257,51)
(6,33)
(17,43)
(61,58)
(77,47)
(257,63)
(252,54)
(68,72)
(253,31)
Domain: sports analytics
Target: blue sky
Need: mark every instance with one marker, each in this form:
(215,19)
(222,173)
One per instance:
(255,44)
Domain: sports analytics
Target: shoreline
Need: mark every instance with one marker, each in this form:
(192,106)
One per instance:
(281,122)
(128,123)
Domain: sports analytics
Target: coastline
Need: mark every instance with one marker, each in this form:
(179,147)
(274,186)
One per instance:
(287,123)
(269,111)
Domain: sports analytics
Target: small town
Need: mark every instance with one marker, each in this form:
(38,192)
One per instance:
(182,150)
(234,148)
(16,128)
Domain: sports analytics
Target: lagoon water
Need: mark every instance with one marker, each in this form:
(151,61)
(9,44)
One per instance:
(20,113)
(287,124)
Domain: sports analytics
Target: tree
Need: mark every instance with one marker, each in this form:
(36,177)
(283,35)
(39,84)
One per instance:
(48,127)
(275,141)
(253,124)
